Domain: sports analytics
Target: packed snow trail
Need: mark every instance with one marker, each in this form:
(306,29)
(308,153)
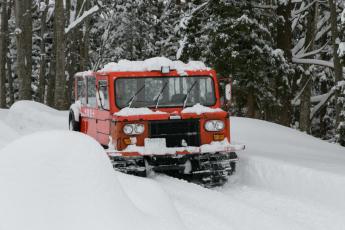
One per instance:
(241,207)
(285,180)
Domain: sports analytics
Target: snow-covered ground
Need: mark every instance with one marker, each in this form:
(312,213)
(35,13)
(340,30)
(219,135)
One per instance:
(61,180)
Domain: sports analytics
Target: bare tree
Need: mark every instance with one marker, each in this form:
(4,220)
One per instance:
(284,42)
(3,52)
(60,78)
(23,33)
(338,69)
(42,74)
(304,117)
(51,75)
(8,58)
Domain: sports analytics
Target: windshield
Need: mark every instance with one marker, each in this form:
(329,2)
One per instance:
(164,91)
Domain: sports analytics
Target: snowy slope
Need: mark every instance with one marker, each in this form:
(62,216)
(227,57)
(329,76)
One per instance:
(291,162)
(285,180)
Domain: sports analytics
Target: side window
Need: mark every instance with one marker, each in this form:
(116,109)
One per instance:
(91,92)
(81,91)
(103,94)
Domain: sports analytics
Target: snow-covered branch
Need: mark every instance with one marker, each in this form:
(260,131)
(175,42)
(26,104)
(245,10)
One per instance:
(329,64)
(313,99)
(301,10)
(185,20)
(183,24)
(80,19)
(322,32)
(314,52)
(270,7)
(313,62)
(322,103)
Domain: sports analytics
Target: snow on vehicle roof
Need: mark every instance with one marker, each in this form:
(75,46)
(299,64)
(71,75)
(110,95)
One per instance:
(85,73)
(136,111)
(200,109)
(153,64)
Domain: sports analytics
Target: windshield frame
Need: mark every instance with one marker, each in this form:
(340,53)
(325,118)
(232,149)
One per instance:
(170,76)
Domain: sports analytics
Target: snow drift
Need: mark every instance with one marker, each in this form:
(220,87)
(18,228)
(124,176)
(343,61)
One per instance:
(7,134)
(64,180)
(290,162)
(28,116)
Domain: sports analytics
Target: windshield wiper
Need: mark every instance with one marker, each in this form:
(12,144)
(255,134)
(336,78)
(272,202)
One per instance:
(160,93)
(190,89)
(129,103)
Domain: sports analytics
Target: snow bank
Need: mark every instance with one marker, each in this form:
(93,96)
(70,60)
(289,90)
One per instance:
(3,113)
(154,64)
(149,197)
(200,109)
(136,111)
(68,183)
(7,134)
(290,162)
(29,116)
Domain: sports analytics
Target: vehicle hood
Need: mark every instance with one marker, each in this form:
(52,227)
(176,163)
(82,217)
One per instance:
(146,114)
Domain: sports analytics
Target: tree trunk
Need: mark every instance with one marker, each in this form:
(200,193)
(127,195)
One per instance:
(250,104)
(338,70)
(323,111)
(3,53)
(8,59)
(24,47)
(304,113)
(60,78)
(51,76)
(10,81)
(42,74)
(85,40)
(284,42)
(304,117)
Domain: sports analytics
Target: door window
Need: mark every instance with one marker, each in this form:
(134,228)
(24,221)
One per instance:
(103,95)
(81,91)
(91,92)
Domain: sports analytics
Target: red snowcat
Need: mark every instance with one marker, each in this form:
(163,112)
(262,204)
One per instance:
(157,115)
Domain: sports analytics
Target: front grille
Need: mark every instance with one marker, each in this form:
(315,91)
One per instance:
(177,133)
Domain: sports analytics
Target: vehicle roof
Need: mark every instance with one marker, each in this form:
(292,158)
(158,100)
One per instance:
(153,65)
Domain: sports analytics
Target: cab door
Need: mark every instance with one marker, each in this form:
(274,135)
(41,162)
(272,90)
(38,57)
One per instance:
(88,112)
(103,116)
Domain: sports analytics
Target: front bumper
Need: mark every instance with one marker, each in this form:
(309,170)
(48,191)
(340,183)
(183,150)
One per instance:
(135,151)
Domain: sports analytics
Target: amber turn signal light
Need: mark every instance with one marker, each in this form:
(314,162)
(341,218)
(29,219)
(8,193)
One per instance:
(127,141)
(218,137)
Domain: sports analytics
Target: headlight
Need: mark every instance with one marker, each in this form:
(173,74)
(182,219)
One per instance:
(139,129)
(133,129)
(214,125)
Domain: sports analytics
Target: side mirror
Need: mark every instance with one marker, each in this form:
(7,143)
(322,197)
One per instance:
(228,92)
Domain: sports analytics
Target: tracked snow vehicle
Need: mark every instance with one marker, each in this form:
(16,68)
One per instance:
(157,115)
